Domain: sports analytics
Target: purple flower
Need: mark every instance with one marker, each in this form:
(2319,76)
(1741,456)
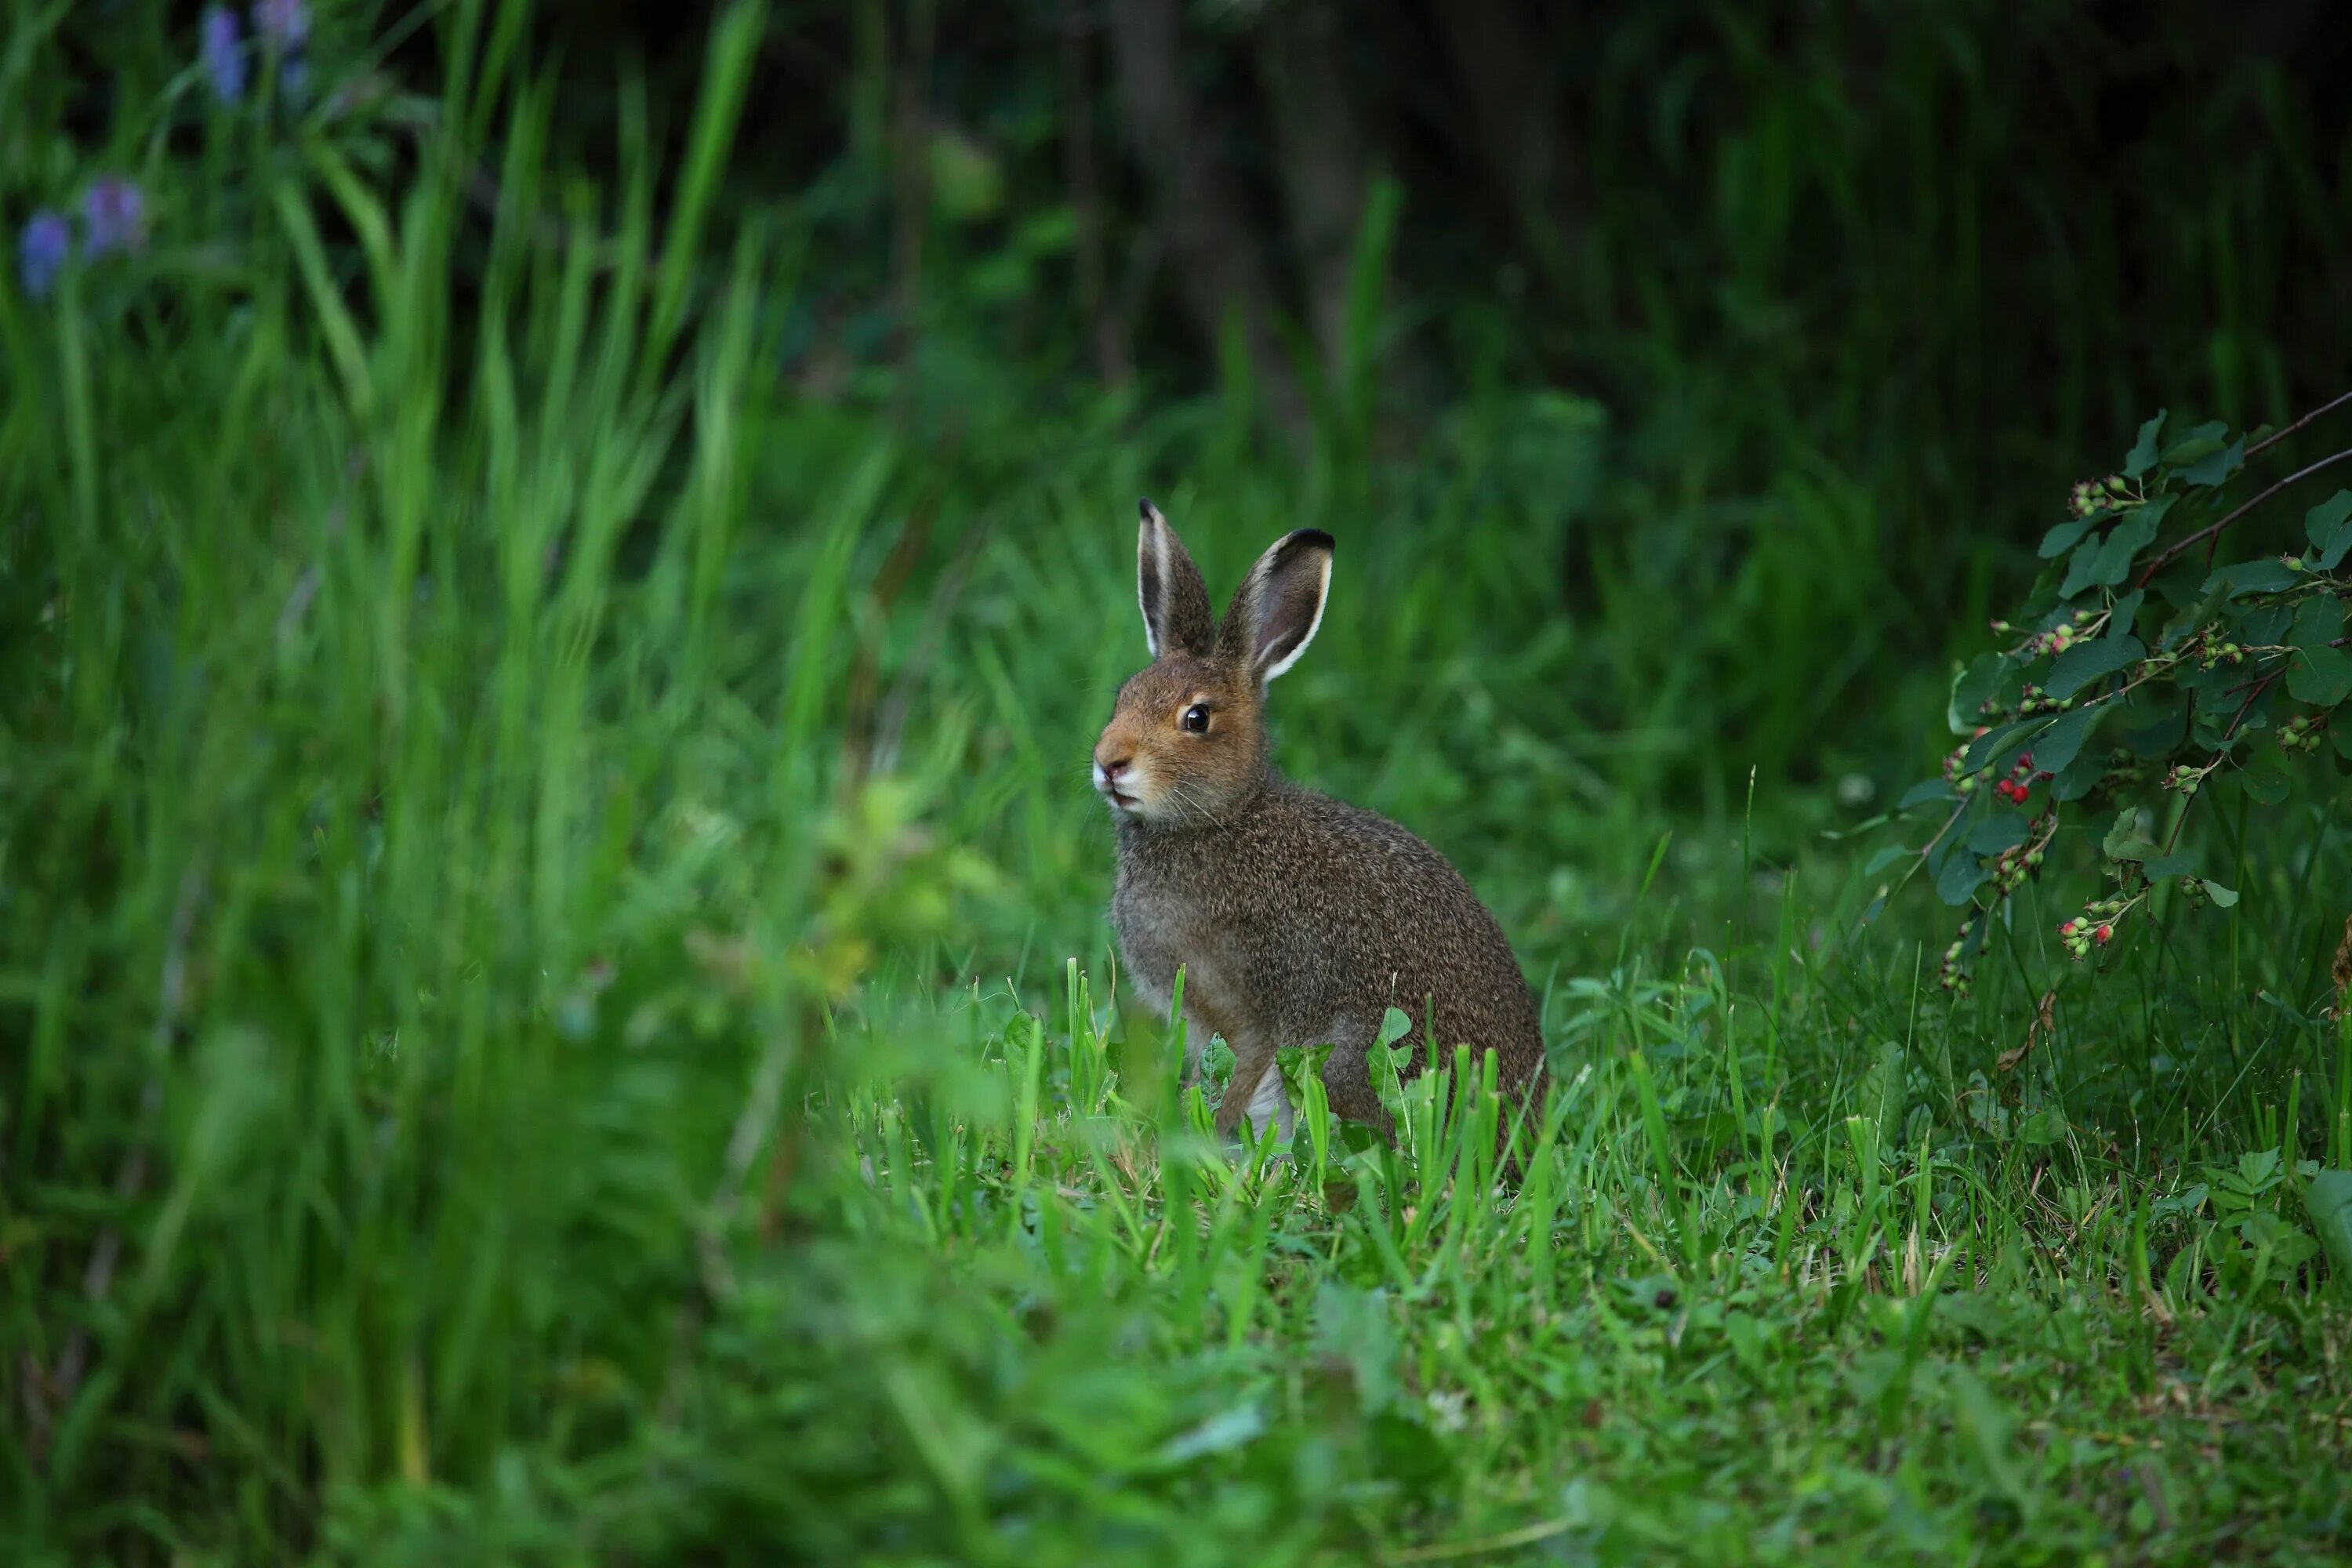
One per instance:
(221,45)
(42,251)
(113,216)
(285,24)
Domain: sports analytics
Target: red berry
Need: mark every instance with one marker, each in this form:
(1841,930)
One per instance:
(2103,933)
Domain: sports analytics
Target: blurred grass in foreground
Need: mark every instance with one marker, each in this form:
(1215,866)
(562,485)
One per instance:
(555,1006)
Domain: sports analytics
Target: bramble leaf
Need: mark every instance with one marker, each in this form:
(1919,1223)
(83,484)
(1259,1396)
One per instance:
(2165,865)
(2223,898)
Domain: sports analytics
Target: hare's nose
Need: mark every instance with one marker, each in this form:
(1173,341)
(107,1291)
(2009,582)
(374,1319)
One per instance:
(1112,767)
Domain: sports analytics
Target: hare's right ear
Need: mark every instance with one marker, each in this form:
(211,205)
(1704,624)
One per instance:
(1170,590)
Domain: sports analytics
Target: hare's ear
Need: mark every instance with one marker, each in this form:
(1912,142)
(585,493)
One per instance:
(1169,589)
(1280,605)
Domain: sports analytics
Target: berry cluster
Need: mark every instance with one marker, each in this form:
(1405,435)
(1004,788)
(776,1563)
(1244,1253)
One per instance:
(2021,780)
(2192,893)
(2012,867)
(2091,497)
(2301,733)
(2058,638)
(2210,653)
(1964,785)
(2095,926)
(2185,778)
(1953,973)
(2034,700)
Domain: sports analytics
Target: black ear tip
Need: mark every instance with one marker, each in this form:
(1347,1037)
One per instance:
(1312,539)
(1145,510)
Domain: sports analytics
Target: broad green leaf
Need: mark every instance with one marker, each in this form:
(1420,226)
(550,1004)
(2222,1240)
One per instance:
(2077,778)
(2156,739)
(2103,563)
(2165,865)
(2330,526)
(2055,749)
(2318,623)
(2216,468)
(2265,775)
(2060,539)
(2044,1126)
(1887,856)
(2088,661)
(2341,734)
(2003,830)
(1972,684)
(2223,898)
(1926,790)
(2327,1199)
(2142,457)
(2268,576)
(1963,875)
(2124,841)
(1998,741)
(2319,676)
(2125,611)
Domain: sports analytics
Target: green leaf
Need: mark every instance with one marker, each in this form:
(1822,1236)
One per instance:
(1994,742)
(2154,740)
(2319,676)
(2004,830)
(2165,865)
(1926,790)
(2268,576)
(2077,778)
(1963,875)
(2330,526)
(2060,539)
(2319,623)
(2123,841)
(2264,776)
(2223,898)
(2088,661)
(2327,1199)
(1972,684)
(2044,1126)
(2215,468)
(2341,736)
(2142,457)
(2108,562)
(2055,749)
(1887,856)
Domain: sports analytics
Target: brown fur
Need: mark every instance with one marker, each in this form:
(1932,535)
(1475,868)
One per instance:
(1298,920)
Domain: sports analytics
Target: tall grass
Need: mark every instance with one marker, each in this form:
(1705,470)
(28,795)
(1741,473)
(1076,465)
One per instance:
(555,1006)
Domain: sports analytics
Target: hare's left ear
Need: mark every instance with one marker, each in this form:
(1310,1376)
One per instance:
(1275,613)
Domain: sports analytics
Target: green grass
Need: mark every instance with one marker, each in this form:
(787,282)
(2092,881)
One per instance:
(554,1004)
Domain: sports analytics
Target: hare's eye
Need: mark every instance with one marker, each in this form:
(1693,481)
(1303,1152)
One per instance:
(1196,719)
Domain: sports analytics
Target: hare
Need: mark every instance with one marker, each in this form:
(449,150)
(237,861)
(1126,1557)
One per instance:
(1297,920)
